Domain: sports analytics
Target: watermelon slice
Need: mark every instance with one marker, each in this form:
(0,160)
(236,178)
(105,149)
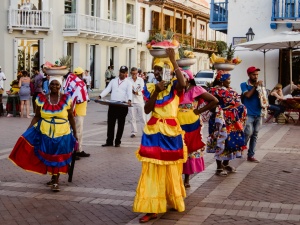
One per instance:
(163,45)
(48,64)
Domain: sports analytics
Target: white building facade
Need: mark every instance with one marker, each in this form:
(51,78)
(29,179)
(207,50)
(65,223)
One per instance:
(96,33)
(266,18)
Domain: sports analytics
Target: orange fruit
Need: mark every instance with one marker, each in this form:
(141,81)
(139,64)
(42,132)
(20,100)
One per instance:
(175,42)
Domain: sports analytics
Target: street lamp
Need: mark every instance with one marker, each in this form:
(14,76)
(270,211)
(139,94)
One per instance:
(250,35)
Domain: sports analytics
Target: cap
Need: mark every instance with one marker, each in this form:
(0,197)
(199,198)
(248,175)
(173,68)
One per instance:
(252,69)
(78,70)
(123,69)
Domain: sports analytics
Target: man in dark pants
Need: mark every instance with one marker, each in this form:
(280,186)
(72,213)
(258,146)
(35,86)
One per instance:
(121,90)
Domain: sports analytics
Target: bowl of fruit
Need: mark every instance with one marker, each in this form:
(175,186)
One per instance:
(226,61)
(187,58)
(158,45)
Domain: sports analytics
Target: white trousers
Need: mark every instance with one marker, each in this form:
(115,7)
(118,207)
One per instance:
(136,113)
(79,128)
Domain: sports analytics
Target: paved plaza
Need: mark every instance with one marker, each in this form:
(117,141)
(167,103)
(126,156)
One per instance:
(103,186)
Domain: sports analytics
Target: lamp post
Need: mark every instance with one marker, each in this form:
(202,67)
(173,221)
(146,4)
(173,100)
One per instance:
(250,35)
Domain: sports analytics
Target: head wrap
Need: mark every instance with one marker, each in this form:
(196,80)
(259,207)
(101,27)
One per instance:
(222,76)
(188,74)
(162,61)
(58,78)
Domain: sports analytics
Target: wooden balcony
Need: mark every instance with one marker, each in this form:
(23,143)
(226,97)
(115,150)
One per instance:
(29,20)
(95,27)
(197,44)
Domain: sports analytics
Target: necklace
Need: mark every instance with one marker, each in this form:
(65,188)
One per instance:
(57,99)
(119,83)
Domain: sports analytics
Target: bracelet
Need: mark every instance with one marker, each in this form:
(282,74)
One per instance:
(176,69)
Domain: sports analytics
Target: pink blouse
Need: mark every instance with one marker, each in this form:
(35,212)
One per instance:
(189,97)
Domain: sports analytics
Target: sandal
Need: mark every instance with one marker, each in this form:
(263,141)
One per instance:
(147,217)
(230,169)
(221,172)
(187,185)
(50,183)
(55,187)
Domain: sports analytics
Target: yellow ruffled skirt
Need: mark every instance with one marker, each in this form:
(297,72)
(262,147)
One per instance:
(159,186)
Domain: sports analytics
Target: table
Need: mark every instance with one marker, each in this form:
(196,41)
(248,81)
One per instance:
(13,104)
(292,105)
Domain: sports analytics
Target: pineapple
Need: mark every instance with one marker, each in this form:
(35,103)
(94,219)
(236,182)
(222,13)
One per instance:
(169,35)
(230,53)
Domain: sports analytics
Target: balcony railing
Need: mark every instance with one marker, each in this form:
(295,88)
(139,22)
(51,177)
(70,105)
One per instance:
(286,10)
(197,44)
(219,15)
(97,26)
(29,20)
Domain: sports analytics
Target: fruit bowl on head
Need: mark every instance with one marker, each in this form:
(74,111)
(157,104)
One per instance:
(186,62)
(159,49)
(54,71)
(224,66)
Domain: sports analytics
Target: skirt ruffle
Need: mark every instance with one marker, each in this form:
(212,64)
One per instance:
(159,186)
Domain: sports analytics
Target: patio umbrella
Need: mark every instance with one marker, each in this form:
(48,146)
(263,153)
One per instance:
(282,40)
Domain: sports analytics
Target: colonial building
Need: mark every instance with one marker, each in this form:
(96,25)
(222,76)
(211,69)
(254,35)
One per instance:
(189,19)
(99,33)
(266,18)
(96,33)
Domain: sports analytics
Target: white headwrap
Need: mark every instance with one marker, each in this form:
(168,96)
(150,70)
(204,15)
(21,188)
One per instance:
(57,78)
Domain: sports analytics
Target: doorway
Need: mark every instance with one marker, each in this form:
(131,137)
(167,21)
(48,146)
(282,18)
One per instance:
(28,54)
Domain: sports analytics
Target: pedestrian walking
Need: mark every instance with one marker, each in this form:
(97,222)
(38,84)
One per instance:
(251,100)
(77,88)
(226,125)
(162,150)
(121,90)
(190,122)
(24,93)
(107,76)
(136,112)
(48,143)
(38,87)
(2,78)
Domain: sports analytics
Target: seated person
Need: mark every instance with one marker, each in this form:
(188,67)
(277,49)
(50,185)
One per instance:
(287,90)
(296,92)
(276,94)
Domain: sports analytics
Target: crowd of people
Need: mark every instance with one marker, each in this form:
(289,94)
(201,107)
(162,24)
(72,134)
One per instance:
(172,145)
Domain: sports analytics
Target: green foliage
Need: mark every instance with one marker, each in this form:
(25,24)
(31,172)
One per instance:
(65,61)
(221,46)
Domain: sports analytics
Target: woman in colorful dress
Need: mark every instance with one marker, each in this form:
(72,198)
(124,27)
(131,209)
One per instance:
(48,143)
(162,150)
(226,137)
(189,119)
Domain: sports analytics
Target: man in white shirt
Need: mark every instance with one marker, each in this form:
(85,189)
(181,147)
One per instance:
(137,109)
(2,78)
(150,77)
(121,90)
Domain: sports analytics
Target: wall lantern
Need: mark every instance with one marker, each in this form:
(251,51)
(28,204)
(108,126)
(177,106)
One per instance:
(250,35)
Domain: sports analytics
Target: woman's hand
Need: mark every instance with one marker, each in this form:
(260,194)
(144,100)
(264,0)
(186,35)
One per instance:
(75,136)
(160,86)
(196,111)
(171,53)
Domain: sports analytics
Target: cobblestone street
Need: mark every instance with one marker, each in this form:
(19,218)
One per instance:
(104,184)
